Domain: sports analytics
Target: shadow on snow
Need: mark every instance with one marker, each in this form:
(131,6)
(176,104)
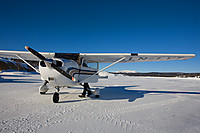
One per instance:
(11,79)
(120,92)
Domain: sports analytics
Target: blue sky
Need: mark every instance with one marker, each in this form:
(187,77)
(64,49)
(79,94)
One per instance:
(145,26)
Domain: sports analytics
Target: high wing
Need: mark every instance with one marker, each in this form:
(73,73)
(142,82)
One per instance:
(132,57)
(99,57)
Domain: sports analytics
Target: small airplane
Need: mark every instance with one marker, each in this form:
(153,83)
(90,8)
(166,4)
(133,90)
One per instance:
(72,69)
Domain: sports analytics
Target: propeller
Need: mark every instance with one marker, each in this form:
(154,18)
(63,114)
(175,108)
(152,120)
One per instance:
(41,57)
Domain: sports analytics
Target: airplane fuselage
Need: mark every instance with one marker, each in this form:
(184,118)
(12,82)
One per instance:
(79,72)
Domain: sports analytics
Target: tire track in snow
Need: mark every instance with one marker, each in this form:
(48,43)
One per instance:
(109,115)
(125,124)
(32,122)
(56,114)
(134,108)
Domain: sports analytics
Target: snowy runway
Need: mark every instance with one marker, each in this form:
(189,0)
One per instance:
(126,104)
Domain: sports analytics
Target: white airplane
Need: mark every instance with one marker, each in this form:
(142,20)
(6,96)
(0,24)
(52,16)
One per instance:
(71,69)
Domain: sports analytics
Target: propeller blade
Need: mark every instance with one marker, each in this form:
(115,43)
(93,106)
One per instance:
(41,57)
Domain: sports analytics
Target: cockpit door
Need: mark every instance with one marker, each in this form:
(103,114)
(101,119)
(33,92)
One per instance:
(87,70)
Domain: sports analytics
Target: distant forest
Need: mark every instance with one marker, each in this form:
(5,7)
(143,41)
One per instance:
(16,64)
(161,74)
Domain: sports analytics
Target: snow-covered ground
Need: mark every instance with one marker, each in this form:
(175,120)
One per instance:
(126,104)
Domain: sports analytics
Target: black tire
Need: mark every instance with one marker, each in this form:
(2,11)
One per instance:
(96,96)
(55,97)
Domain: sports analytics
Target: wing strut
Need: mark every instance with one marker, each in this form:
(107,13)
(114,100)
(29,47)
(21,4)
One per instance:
(104,69)
(27,63)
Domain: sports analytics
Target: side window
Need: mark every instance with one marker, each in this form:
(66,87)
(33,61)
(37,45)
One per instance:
(58,63)
(93,65)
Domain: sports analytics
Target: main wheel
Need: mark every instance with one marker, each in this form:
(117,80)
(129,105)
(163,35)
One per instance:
(96,96)
(55,97)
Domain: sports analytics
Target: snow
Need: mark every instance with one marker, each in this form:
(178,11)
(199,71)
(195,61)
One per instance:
(126,104)
(105,74)
(126,71)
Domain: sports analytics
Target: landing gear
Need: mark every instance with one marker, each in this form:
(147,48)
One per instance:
(56,95)
(97,96)
(43,89)
(86,90)
(42,93)
(96,93)
(89,92)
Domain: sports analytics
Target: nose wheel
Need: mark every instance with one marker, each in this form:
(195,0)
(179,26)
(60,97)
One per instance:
(56,95)
(43,89)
